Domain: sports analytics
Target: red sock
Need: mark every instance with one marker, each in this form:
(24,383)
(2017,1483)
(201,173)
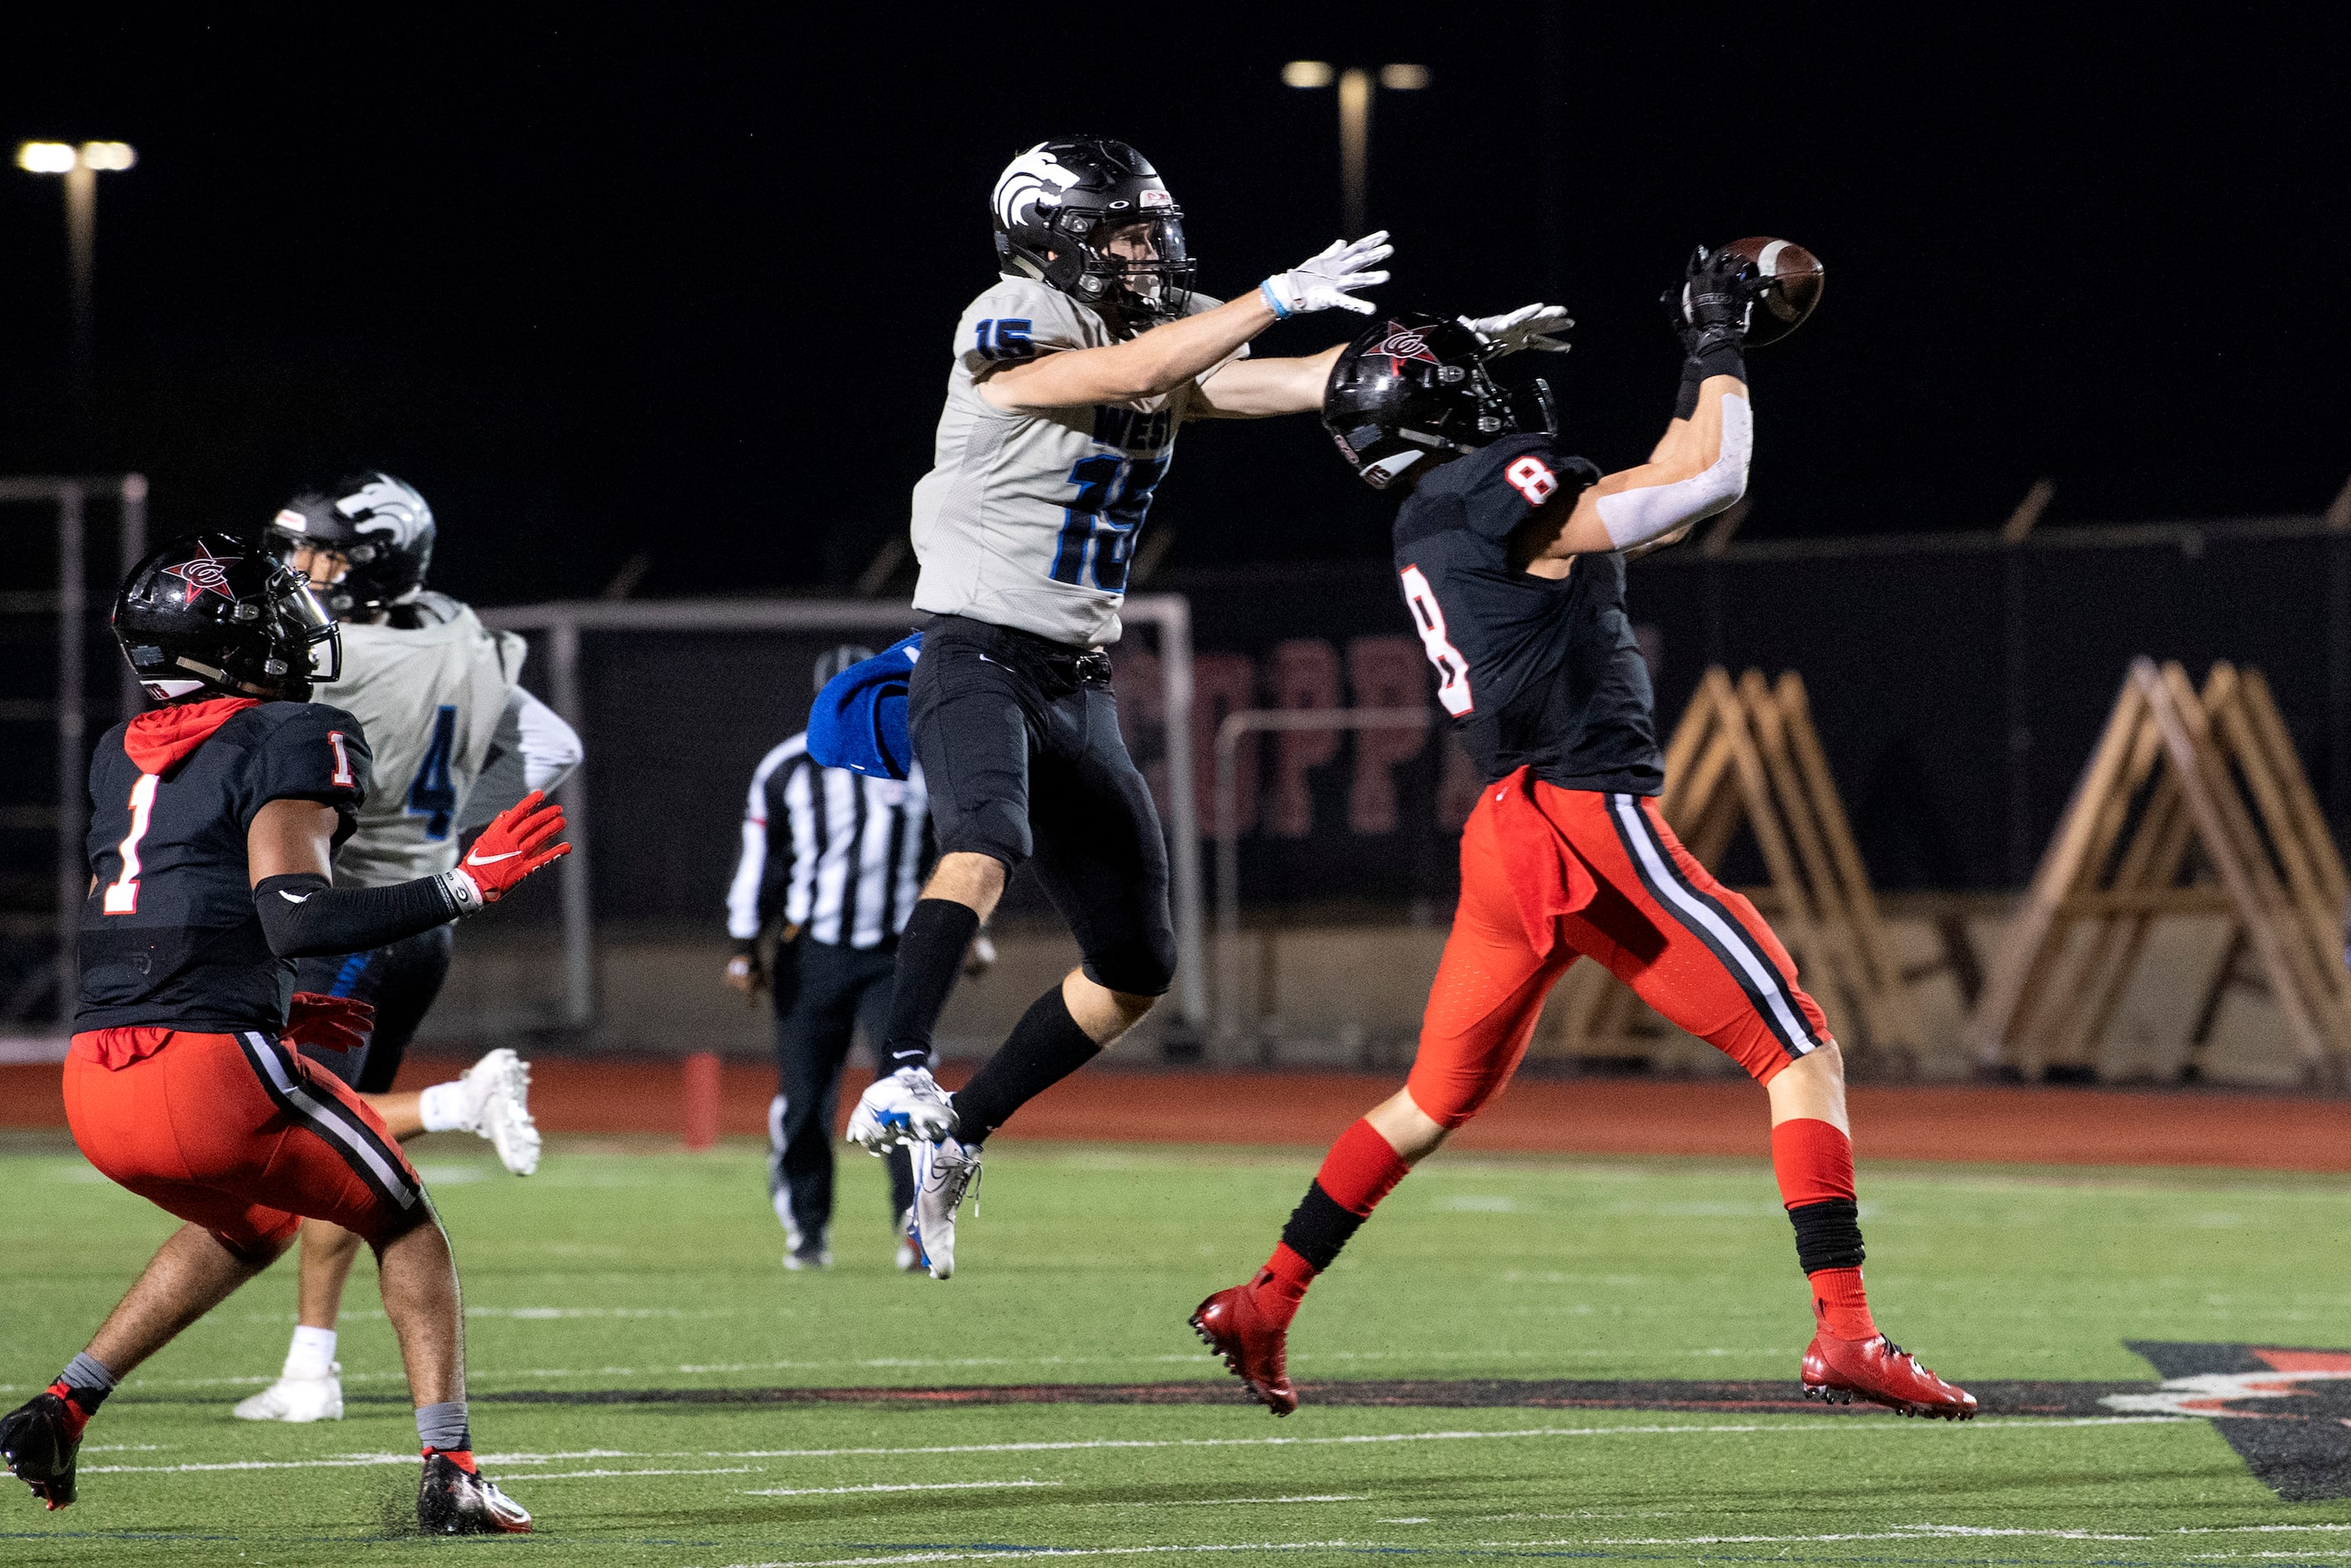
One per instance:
(1840,1304)
(1362,1168)
(1813,1163)
(461,1458)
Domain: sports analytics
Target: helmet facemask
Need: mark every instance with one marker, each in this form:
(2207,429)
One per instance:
(1137,267)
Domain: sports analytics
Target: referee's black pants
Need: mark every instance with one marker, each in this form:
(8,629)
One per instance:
(822,993)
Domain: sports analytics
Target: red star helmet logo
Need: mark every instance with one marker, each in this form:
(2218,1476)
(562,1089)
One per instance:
(1404,343)
(208,573)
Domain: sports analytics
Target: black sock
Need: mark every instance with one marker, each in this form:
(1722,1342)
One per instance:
(930,956)
(1318,1226)
(1828,1234)
(1046,1046)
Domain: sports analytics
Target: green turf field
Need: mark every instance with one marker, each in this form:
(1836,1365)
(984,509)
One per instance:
(617,1269)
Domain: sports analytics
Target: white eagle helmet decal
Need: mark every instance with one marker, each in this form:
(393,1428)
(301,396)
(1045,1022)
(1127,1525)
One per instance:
(1036,178)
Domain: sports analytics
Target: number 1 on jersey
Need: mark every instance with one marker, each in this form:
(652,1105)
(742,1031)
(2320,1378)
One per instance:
(122,893)
(1428,619)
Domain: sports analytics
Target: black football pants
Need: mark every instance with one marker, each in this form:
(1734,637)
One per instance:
(824,993)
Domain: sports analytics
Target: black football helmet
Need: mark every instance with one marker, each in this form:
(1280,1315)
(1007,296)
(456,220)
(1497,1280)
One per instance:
(1057,204)
(1414,384)
(214,612)
(381,526)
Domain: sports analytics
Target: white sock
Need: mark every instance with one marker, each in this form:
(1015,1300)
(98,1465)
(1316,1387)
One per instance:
(445,1108)
(312,1354)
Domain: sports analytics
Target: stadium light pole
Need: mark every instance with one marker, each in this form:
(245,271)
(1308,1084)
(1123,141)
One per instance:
(81,167)
(1357,86)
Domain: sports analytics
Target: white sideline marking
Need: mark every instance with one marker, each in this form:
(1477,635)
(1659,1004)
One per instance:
(1797,1425)
(1242,1501)
(898,1486)
(1000,1556)
(536,1476)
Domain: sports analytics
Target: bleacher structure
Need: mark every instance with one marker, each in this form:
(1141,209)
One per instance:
(2193,803)
(1745,754)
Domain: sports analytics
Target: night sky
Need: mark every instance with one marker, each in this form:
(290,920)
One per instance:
(687,286)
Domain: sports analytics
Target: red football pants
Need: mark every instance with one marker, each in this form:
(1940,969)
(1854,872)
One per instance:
(236,1133)
(1696,952)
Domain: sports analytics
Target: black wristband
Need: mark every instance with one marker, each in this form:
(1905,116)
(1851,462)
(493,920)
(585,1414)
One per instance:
(304,916)
(746,946)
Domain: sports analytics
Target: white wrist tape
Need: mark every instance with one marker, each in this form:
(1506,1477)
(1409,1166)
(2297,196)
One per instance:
(463,891)
(1636,517)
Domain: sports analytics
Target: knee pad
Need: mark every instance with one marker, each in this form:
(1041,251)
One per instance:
(1142,969)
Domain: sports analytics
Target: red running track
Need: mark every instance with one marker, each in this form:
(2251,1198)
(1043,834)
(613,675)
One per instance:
(1581,1116)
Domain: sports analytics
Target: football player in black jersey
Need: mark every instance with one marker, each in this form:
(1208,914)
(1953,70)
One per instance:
(1511,557)
(215,817)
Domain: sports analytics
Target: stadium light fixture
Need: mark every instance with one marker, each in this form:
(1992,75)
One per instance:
(47,157)
(81,167)
(1356,89)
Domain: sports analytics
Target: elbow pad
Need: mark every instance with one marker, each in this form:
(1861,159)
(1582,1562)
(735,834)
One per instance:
(305,916)
(1652,511)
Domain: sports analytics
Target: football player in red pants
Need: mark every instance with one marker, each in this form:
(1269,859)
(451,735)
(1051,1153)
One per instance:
(1513,560)
(214,818)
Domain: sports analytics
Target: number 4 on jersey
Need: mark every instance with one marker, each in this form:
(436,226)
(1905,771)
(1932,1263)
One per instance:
(434,795)
(1428,619)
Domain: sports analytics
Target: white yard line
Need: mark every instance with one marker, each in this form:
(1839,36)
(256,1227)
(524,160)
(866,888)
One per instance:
(1001,1556)
(537,1475)
(900,1486)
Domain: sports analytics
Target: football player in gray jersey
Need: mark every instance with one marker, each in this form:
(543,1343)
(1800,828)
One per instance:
(1072,375)
(456,740)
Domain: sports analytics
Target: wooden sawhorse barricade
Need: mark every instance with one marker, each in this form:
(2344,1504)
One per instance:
(1746,753)
(2193,803)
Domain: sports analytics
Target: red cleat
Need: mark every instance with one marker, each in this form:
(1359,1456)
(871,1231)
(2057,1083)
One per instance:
(1840,1371)
(1237,1328)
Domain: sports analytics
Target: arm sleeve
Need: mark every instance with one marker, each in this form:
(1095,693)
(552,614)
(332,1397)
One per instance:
(1636,517)
(742,894)
(783,850)
(305,916)
(551,748)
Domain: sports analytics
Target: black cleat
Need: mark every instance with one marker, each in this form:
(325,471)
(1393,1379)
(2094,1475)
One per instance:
(453,1500)
(41,1439)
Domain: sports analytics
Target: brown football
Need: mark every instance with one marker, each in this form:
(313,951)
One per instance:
(1793,277)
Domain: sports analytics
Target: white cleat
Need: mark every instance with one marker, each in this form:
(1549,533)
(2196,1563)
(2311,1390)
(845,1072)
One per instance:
(499,1086)
(796,1261)
(907,1107)
(910,1255)
(297,1399)
(943,1172)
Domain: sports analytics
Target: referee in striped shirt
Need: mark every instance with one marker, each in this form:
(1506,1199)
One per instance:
(832,863)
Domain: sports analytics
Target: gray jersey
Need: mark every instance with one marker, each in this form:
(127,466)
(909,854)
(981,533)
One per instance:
(429,699)
(1030,519)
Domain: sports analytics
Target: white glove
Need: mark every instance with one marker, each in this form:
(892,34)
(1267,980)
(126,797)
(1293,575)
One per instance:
(1323,281)
(1528,327)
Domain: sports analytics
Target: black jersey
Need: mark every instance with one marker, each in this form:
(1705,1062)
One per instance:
(169,935)
(1536,672)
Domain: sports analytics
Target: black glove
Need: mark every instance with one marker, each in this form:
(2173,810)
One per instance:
(1708,311)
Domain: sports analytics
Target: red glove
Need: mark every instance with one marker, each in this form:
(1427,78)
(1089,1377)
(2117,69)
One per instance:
(336,1023)
(518,841)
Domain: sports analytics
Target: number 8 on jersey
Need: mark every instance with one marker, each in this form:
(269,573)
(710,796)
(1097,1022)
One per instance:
(1428,619)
